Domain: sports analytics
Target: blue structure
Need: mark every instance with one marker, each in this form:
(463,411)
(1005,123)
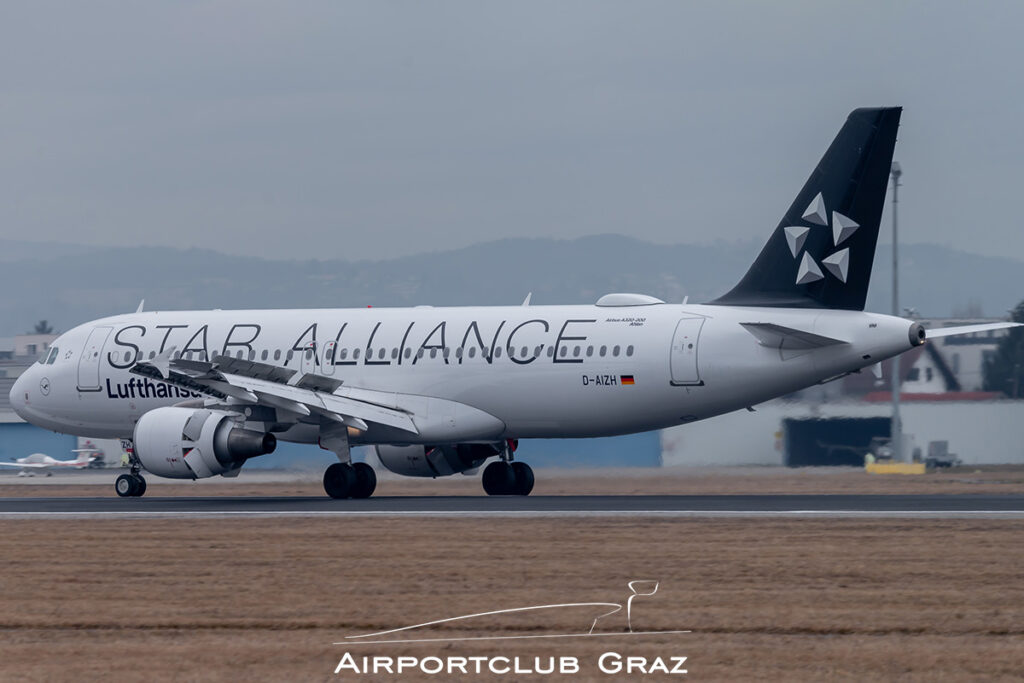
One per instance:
(18,439)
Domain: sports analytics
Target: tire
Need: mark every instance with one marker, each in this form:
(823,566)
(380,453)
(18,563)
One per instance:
(140,489)
(523,478)
(339,480)
(499,479)
(365,480)
(125,486)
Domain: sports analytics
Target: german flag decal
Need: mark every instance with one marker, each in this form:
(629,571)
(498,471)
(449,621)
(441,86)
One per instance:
(626,380)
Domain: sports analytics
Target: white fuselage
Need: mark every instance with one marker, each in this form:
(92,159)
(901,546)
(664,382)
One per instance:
(466,374)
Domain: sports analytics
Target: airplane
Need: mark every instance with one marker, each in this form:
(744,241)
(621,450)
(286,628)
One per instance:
(440,391)
(41,461)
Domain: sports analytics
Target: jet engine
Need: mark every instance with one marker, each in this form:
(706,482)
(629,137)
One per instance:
(186,443)
(435,461)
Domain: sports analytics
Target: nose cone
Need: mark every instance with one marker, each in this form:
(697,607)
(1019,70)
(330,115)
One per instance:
(20,395)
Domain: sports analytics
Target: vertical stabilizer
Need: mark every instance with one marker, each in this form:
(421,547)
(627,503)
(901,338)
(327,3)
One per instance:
(820,255)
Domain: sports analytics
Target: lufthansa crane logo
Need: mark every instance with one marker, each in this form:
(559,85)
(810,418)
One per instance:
(44,386)
(836,264)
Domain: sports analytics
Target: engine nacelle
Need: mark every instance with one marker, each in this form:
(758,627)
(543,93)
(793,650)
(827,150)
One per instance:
(434,461)
(188,443)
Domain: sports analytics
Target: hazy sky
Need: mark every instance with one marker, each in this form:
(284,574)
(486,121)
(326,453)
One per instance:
(362,130)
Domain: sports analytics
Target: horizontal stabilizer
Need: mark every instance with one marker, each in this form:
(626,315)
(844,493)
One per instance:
(967,329)
(781,337)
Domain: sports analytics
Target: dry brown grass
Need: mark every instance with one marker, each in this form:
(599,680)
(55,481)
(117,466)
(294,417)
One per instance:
(695,481)
(264,599)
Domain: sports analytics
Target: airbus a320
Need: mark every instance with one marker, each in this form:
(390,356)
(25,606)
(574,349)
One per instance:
(440,391)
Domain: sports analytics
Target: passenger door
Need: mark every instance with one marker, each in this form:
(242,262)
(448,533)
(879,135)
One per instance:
(685,348)
(89,363)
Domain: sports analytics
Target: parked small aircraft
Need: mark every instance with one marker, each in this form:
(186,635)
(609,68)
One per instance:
(40,462)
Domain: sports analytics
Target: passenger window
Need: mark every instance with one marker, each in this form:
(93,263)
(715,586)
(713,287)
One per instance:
(344,354)
(380,354)
(497,352)
(394,354)
(263,356)
(472,352)
(551,352)
(563,351)
(355,354)
(629,350)
(576,352)
(615,351)
(590,351)
(277,354)
(433,353)
(408,354)
(604,351)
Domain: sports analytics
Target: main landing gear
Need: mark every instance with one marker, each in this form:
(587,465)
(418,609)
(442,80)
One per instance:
(130,485)
(507,478)
(342,480)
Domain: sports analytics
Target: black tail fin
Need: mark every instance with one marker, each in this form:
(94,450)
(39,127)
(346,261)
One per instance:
(820,256)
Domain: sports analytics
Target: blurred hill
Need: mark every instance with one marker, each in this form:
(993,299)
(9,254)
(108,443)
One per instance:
(69,284)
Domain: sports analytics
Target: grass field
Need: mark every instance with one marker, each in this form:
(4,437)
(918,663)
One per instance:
(264,599)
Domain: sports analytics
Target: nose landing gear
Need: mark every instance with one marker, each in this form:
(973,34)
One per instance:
(130,485)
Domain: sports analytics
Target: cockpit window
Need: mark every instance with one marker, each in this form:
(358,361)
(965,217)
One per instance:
(53,355)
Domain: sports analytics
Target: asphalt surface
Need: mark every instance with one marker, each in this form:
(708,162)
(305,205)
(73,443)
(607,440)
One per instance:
(1010,505)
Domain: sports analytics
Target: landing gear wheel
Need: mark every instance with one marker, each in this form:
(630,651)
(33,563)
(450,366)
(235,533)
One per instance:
(339,480)
(130,485)
(125,486)
(366,480)
(524,478)
(499,479)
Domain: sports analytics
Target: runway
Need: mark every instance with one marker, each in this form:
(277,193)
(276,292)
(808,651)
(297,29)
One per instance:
(948,506)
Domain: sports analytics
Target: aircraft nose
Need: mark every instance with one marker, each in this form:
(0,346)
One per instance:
(25,389)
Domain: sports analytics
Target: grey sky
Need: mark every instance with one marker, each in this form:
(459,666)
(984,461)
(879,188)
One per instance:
(362,130)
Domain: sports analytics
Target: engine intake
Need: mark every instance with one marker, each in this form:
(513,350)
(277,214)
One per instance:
(186,443)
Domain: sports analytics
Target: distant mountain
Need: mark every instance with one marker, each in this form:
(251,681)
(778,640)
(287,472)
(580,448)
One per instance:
(67,284)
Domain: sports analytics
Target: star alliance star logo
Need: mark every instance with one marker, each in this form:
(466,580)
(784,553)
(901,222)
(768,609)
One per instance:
(837,264)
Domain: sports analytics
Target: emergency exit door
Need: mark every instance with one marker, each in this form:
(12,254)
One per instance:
(685,347)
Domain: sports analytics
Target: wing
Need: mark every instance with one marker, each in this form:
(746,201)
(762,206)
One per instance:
(244,382)
(25,466)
